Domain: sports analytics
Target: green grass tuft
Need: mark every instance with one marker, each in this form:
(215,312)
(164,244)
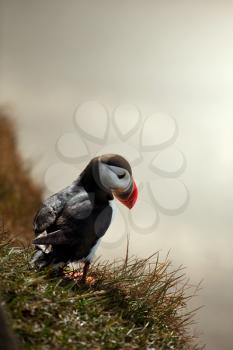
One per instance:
(134,304)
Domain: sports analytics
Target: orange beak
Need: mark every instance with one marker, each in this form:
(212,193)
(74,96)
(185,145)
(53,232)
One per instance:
(130,200)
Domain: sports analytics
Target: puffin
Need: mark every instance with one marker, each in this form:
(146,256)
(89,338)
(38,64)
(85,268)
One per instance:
(70,224)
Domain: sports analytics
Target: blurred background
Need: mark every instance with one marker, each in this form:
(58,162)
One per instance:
(169,57)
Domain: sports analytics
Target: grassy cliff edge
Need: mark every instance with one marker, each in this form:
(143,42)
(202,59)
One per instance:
(134,304)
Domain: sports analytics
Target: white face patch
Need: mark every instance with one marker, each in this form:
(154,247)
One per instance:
(114,178)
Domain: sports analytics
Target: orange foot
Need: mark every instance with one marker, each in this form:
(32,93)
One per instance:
(77,276)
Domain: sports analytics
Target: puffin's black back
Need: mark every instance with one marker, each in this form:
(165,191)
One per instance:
(83,216)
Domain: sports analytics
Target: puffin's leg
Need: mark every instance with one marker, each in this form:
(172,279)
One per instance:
(85,271)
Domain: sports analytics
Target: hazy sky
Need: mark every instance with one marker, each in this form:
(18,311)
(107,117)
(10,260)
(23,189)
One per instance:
(172,57)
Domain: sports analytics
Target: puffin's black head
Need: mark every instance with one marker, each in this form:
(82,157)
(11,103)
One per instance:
(113,173)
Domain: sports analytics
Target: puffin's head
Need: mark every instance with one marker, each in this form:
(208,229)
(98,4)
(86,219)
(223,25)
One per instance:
(113,174)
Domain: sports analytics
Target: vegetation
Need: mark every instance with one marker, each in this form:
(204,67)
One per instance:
(133,304)
(19,196)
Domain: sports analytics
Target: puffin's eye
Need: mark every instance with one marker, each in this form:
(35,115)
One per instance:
(121,176)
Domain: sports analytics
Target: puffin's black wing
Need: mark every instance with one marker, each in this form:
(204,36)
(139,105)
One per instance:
(52,207)
(103,221)
(76,208)
(48,213)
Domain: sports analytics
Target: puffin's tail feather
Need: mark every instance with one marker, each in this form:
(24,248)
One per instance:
(55,238)
(40,259)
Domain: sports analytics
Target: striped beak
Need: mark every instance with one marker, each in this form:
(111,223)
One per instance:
(129,198)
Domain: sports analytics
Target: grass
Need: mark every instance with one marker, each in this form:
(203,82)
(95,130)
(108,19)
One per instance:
(134,304)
